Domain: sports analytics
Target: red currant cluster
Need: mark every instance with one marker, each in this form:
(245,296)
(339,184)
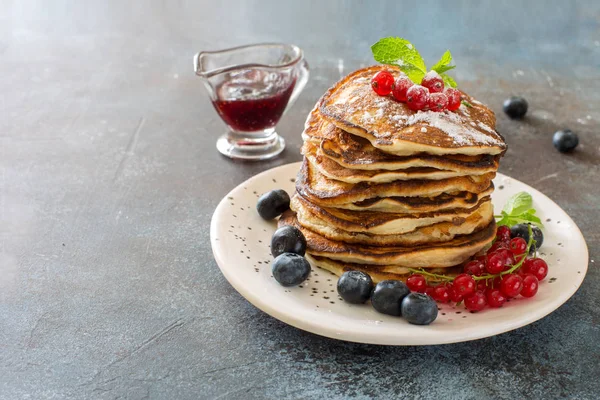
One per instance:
(429,95)
(504,272)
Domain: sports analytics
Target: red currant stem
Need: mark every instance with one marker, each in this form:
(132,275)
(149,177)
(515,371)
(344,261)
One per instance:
(478,278)
(437,276)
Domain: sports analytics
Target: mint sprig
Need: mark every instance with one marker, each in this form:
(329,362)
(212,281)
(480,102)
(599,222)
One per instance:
(518,210)
(401,53)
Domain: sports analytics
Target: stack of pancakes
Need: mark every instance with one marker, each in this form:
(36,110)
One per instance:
(383,188)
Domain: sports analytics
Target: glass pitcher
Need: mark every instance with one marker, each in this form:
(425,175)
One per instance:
(251,87)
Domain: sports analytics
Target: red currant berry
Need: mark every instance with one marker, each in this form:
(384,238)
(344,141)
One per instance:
(416,283)
(482,285)
(511,285)
(495,298)
(437,102)
(429,291)
(433,81)
(536,267)
(464,285)
(453,96)
(509,258)
(382,83)
(401,86)
(417,97)
(495,282)
(454,297)
(440,294)
(475,302)
(530,286)
(495,263)
(474,267)
(518,246)
(503,233)
(498,245)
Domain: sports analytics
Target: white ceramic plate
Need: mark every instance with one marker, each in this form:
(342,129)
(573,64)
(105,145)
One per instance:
(240,240)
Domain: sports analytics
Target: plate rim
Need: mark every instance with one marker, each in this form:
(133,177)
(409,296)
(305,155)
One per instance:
(338,332)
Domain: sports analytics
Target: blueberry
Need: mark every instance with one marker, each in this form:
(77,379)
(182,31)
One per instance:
(565,141)
(388,295)
(355,287)
(515,107)
(288,239)
(290,269)
(522,231)
(272,204)
(419,309)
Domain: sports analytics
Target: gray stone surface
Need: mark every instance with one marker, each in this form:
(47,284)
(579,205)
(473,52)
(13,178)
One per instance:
(109,177)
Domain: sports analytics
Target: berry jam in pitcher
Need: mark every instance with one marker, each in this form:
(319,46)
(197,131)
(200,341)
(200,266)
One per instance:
(253,100)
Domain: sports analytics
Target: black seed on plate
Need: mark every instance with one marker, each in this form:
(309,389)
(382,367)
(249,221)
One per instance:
(242,251)
(274,181)
(560,244)
(332,302)
(230,198)
(548,220)
(501,187)
(558,222)
(459,312)
(464,316)
(292,180)
(300,286)
(260,241)
(326,297)
(552,280)
(443,313)
(234,216)
(248,257)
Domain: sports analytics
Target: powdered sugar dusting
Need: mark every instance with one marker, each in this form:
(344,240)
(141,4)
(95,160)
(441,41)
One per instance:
(455,127)
(432,74)
(424,130)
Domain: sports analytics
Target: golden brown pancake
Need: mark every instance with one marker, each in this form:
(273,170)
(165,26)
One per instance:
(434,255)
(333,170)
(434,233)
(355,152)
(377,272)
(391,126)
(445,201)
(379,223)
(316,187)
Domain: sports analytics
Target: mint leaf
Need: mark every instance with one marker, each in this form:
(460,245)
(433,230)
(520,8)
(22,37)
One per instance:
(400,52)
(518,204)
(443,64)
(519,210)
(448,81)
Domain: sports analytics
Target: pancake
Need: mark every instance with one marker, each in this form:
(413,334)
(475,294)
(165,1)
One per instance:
(434,233)
(377,272)
(354,152)
(432,255)
(418,204)
(378,223)
(333,170)
(391,126)
(316,187)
